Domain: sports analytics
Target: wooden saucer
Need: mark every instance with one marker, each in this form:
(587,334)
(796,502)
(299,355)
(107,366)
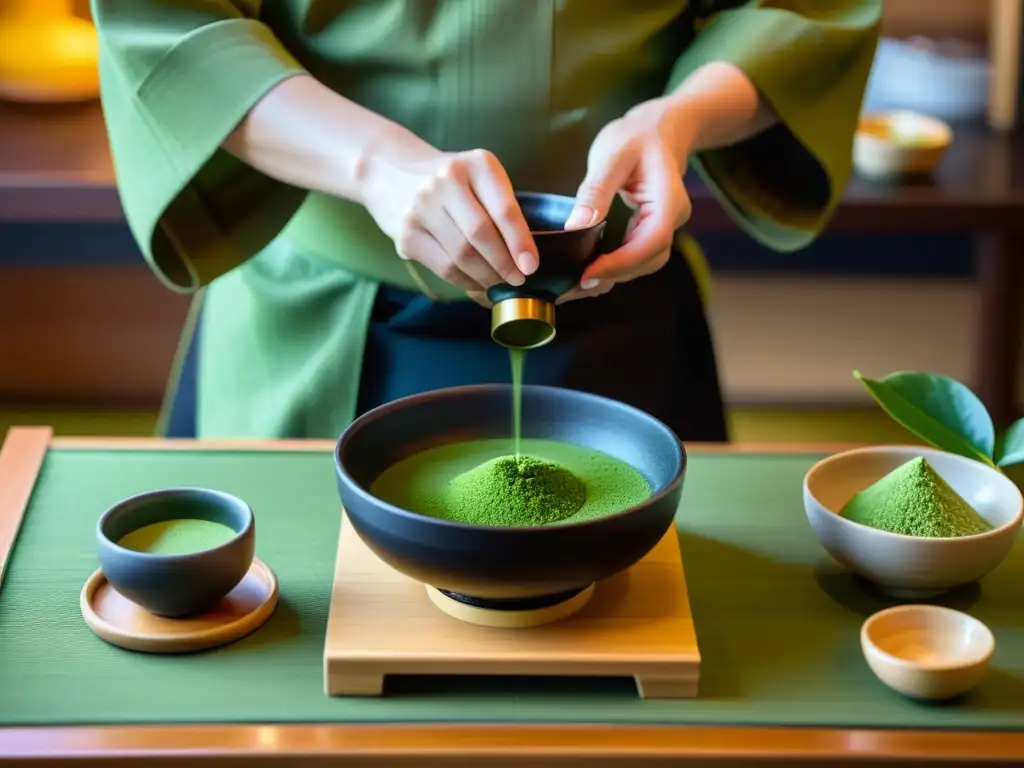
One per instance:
(119,621)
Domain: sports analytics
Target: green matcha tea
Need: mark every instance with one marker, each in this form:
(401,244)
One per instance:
(914,500)
(517,360)
(484,483)
(177,537)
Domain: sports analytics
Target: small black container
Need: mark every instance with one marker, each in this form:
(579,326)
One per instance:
(492,565)
(523,317)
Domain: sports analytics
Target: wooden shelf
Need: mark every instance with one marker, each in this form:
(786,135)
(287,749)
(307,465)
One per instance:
(55,166)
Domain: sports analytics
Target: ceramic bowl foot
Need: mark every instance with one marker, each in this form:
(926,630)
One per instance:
(510,614)
(900,593)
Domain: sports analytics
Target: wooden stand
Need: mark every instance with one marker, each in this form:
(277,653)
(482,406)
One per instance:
(637,624)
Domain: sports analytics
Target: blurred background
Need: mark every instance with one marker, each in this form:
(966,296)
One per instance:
(919,274)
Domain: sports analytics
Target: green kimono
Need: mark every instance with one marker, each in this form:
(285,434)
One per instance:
(289,278)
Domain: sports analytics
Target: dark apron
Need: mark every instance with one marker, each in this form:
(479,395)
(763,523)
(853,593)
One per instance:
(646,343)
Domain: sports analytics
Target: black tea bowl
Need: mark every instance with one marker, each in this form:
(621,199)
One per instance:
(523,317)
(496,566)
(176,585)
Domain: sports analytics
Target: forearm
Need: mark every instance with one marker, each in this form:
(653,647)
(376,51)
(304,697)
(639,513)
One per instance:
(306,135)
(717,106)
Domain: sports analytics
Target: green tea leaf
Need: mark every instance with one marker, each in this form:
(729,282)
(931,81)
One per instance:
(1013,445)
(939,410)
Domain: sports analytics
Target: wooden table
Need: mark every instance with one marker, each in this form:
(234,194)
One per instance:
(446,745)
(55,167)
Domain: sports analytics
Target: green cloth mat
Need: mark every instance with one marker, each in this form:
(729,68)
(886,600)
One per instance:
(777,621)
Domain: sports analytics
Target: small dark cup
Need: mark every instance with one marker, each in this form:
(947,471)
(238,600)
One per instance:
(180,584)
(523,316)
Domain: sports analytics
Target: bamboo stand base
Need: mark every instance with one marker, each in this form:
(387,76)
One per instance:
(637,624)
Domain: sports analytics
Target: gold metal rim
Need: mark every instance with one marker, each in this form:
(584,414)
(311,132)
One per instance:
(523,323)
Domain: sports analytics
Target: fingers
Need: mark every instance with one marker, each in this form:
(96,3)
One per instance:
(479,218)
(663,207)
(645,254)
(465,224)
(605,177)
(419,245)
(495,192)
(575,294)
(462,252)
(480,298)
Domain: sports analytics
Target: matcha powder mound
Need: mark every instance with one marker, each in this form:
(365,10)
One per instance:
(915,501)
(510,491)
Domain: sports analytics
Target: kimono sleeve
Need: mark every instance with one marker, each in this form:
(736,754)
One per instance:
(176,78)
(811,62)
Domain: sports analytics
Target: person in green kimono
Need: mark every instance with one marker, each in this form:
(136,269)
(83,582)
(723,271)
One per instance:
(334,182)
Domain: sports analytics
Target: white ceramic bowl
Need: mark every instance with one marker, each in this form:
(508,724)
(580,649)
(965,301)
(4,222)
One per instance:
(927,652)
(911,566)
(899,143)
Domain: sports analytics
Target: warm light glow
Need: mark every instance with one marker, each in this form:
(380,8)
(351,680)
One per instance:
(41,10)
(268,736)
(47,53)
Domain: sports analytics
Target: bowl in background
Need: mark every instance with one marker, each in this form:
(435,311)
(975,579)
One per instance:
(176,585)
(911,566)
(494,567)
(927,652)
(899,143)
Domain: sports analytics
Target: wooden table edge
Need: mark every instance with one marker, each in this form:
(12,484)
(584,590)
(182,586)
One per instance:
(436,744)
(21,457)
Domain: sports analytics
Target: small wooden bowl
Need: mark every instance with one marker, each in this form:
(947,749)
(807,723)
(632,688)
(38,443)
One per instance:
(927,652)
(900,143)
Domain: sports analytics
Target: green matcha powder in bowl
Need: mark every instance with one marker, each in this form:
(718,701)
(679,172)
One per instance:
(482,482)
(400,469)
(915,521)
(914,500)
(514,491)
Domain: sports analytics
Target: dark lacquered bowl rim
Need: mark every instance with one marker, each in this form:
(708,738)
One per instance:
(555,232)
(250,522)
(386,409)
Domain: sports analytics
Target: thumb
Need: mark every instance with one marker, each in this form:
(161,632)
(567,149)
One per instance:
(596,193)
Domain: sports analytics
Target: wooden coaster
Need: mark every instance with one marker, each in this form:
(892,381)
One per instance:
(637,624)
(121,622)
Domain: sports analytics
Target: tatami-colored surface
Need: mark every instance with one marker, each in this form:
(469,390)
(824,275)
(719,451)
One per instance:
(748,425)
(80,422)
(814,426)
